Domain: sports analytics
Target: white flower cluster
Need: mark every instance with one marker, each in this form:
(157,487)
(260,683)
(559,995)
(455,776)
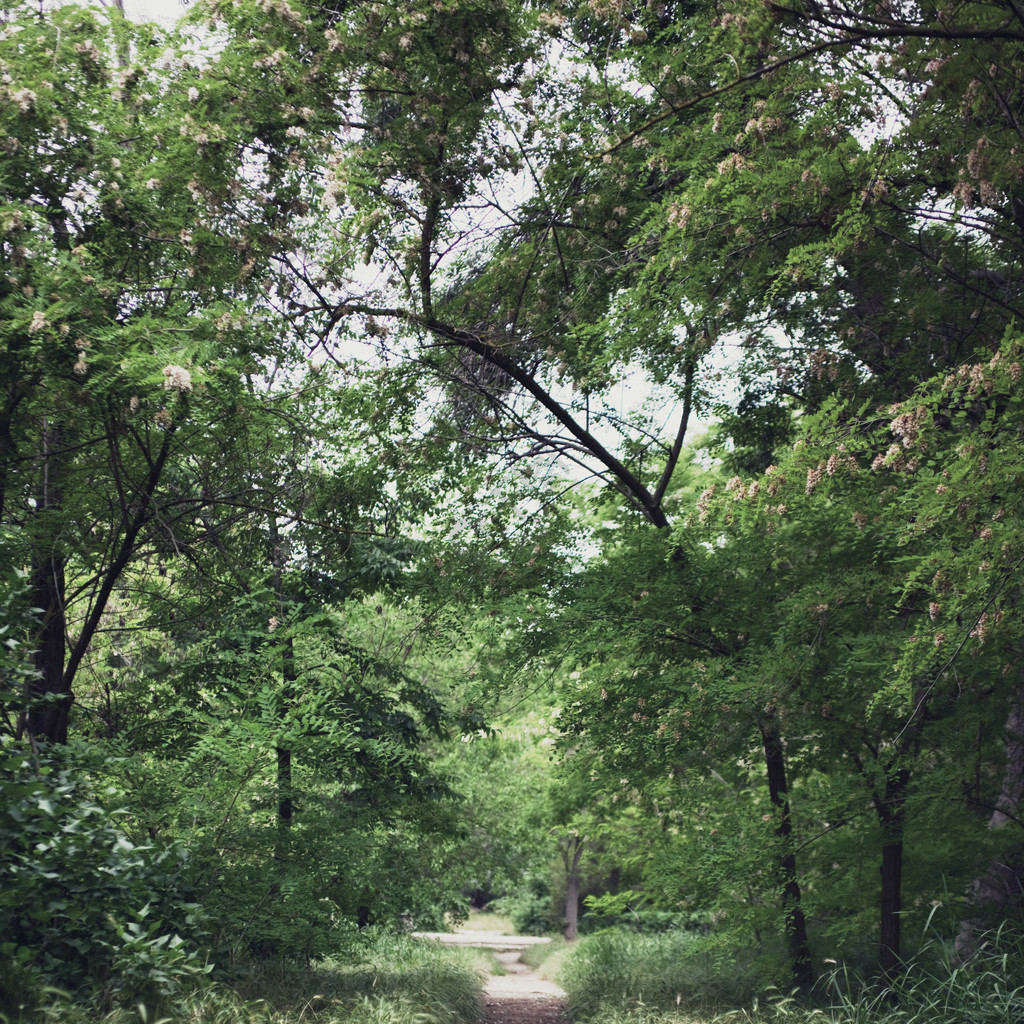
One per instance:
(334,183)
(26,100)
(271,60)
(283,11)
(230,322)
(551,22)
(177,378)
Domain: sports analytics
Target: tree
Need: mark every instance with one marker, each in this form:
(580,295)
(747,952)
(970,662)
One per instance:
(272,665)
(829,590)
(143,218)
(519,210)
(763,176)
(152,473)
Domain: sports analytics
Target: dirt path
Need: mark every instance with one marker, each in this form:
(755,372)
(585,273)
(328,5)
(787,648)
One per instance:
(521,995)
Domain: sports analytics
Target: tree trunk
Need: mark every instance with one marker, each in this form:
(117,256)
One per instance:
(795,921)
(49,693)
(285,807)
(57,657)
(891,808)
(891,812)
(572,887)
(48,700)
(284,787)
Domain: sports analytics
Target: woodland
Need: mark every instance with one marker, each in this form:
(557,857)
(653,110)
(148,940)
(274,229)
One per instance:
(563,457)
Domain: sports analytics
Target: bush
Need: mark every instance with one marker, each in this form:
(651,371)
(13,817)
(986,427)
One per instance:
(82,908)
(648,921)
(529,909)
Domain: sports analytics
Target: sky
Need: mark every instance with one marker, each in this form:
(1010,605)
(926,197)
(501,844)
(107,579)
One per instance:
(163,12)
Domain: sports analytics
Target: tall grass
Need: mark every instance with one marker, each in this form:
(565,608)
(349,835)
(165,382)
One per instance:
(486,921)
(659,971)
(417,982)
(989,989)
(384,980)
(547,958)
(664,979)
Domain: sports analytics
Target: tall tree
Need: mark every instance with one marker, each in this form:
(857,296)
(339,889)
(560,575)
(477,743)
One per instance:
(687,175)
(143,217)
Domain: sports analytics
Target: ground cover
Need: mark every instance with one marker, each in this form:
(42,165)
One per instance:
(675,978)
(380,980)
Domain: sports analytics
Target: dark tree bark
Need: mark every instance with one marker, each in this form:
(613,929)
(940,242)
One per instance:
(795,920)
(284,787)
(891,810)
(891,806)
(56,659)
(49,694)
(285,807)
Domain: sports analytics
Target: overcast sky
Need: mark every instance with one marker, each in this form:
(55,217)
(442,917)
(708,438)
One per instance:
(163,12)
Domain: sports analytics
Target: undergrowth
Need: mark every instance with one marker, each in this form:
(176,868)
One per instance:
(547,958)
(487,921)
(385,980)
(622,978)
(636,972)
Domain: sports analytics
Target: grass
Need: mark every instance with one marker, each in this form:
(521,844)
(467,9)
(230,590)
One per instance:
(485,921)
(386,980)
(611,978)
(390,974)
(498,969)
(632,971)
(623,978)
(547,958)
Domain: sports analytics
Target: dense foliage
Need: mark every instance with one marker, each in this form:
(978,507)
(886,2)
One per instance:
(359,560)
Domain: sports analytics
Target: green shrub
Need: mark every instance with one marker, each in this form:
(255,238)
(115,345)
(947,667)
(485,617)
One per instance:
(649,921)
(82,908)
(530,909)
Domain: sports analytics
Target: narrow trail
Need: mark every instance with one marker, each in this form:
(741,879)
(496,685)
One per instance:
(521,995)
